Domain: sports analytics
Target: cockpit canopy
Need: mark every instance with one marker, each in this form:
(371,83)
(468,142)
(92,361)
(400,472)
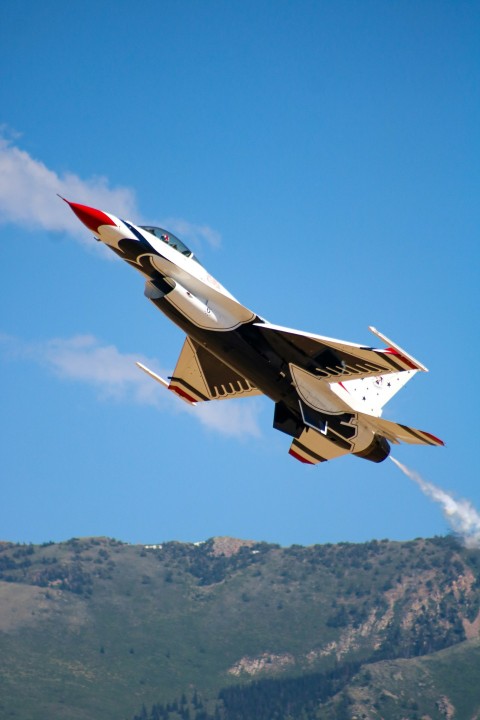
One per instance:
(169,239)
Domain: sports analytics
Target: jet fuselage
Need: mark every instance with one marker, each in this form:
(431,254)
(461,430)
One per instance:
(328,394)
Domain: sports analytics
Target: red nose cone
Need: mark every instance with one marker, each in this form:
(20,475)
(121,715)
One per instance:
(90,217)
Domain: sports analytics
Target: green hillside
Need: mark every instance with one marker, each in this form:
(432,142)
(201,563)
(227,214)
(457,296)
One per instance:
(443,685)
(95,628)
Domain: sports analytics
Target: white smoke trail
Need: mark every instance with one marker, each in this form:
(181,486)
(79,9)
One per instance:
(460,514)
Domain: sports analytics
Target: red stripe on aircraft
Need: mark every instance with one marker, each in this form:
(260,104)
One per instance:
(299,457)
(401,357)
(182,393)
(435,439)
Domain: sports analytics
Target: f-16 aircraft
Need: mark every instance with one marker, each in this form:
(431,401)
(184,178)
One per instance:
(328,393)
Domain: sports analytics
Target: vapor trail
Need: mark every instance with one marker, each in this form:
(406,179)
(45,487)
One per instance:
(460,514)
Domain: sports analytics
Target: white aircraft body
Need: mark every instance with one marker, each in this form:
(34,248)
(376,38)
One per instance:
(328,393)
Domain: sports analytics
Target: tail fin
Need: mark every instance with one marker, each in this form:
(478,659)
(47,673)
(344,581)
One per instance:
(370,394)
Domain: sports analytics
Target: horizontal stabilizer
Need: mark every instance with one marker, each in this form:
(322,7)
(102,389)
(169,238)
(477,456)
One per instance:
(396,433)
(312,448)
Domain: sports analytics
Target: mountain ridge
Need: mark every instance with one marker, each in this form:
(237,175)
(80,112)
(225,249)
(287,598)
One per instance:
(96,627)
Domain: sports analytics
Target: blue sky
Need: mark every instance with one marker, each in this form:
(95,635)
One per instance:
(322,158)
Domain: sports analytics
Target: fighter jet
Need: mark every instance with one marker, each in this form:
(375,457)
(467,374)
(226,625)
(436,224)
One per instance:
(328,393)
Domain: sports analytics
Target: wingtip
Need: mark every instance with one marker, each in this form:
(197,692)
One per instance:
(152,374)
(434,438)
(395,349)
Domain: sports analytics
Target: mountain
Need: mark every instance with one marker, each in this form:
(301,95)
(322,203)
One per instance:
(239,630)
(440,686)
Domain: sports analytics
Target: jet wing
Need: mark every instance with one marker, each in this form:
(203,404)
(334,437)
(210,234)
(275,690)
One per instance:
(200,376)
(336,360)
